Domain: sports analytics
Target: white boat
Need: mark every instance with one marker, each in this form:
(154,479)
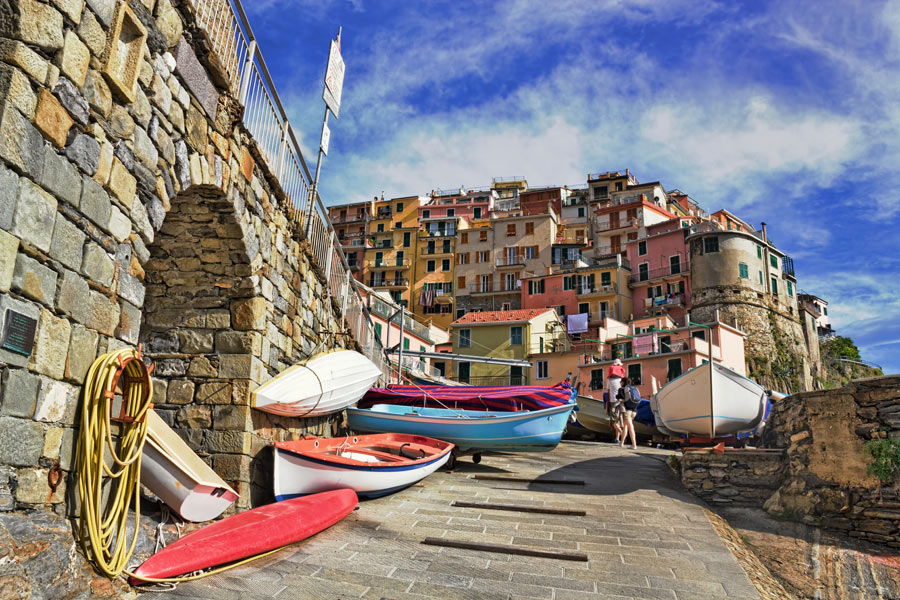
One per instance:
(592,415)
(726,404)
(324,384)
(371,465)
(171,470)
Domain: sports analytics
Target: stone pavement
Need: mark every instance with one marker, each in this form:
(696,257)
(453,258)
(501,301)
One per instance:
(644,536)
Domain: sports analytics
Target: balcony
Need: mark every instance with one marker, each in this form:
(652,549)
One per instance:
(499,288)
(670,272)
(359,218)
(346,242)
(595,317)
(437,251)
(441,232)
(389,264)
(396,283)
(440,289)
(384,214)
(589,292)
(608,225)
(661,303)
(509,261)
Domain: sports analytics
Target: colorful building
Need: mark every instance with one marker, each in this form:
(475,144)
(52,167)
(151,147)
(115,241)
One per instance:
(625,214)
(390,247)
(351,223)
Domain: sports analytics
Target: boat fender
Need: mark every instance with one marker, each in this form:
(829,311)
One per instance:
(422,452)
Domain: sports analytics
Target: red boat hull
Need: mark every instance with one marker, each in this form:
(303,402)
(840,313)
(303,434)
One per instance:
(249,533)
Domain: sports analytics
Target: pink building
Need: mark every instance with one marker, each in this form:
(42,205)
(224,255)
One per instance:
(457,203)
(660,278)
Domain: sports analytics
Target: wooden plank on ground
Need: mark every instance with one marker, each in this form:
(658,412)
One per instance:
(527,480)
(504,549)
(527,509)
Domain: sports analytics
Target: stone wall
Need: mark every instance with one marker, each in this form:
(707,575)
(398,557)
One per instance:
(488,302)
(141,214)
(735,478)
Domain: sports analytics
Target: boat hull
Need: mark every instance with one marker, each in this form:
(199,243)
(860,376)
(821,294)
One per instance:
(371,465)
(738,404)
(248,534)
(326,383)
(171,470)
(516,431)
(592,415)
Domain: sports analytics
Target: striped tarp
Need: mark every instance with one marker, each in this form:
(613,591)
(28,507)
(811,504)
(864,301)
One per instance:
(504,398)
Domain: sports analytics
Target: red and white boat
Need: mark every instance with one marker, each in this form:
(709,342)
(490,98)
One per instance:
(372,465)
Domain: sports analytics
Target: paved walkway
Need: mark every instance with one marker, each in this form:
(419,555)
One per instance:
(643,535)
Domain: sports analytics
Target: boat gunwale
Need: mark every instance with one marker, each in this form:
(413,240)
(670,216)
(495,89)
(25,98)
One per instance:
(316,453)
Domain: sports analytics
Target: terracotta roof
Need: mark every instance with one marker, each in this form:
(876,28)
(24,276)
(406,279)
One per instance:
(500,316)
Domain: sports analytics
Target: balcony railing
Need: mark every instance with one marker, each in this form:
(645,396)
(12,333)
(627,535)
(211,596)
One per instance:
(376,282)
(668,300)
(651,274)
(350,218)
(510,261)
(386,311)
(609,225)
(351,243)
(437,233)
(440,288)
(391,263)
(231,38)
(598,290)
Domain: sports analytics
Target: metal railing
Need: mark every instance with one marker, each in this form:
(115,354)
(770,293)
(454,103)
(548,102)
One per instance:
(388,282)
(350,218)
(391,263)
(510,261)
(232,39)
(586,290)
(657,273)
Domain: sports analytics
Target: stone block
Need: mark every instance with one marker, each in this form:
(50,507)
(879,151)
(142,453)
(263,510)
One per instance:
(52,443)
(74,296)
(19,55)
(60,178)
(119,225)
(9,194)
(202,367)
(141,220)
(30,310)
(75,59)
(33,280)
(97,93)
(195,123)
(16,89)
(50,346)
(141,110)
(122,184)
(21,442)
(232,467)
(33,488)
(84,151)
(34,216)
(71,9)
(228,442)
(105,166)
(249,314)
(67,244)
(82,352)
(19,394)
(195,78)
(180,391)
(131,289)
(232,418)
(21,144)
(104,314)
(69,96)
(218,319)
(168,22)
(67,450)
(54,401)
(194,341)
(124,52)
(97,265)
(194,417)
(144,150)
(40,24)
(95,203)
(104,10)
(92,33)
(52,119)
(121,123)
(129,323)
(218,392)
(9,247)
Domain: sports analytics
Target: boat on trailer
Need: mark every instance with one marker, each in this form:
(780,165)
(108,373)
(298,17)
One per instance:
(470,431)
(326,383)
(371,465)
(711,401)
(172,471)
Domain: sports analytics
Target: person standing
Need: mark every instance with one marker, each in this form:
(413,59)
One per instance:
(614,382)
(629,399)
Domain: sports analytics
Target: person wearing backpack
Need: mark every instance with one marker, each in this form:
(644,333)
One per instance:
(629,398)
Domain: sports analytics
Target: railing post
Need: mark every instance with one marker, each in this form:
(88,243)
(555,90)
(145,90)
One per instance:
(348,287)
(279,172)
(245,75)
(329,255)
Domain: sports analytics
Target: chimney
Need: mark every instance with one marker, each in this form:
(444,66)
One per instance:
(765,234)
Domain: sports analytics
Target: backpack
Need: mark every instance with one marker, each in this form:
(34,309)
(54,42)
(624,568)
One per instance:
(632,398)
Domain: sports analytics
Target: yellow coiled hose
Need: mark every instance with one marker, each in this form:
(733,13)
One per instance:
(103,533)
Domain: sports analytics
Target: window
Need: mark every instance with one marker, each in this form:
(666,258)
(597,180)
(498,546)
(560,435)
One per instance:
(760,278)
(476,212)
(486,283)
(675,288)
(630,214)
(601,191)
(711,243)
(461,283)
(622,350)
(430,266)
(441,368)
(560,310)
(460,313)
(505,306)
(400,258)
(790,289)
(596,379)
(426,214)
(674,368)
(606,278)
(464,238)
(465,338)
(568,282)
(535,287)
(515,376)
(515,335)
(642,248)
(759,252)
(743,272)
(445,247)
(406,343)
(511,229)
(422,349)
(462,258)
(482,236)
(773,260)
(511,279)
(379,259)
(580,211)
(445,264)
(399,207)
(429,249)
(618,186)
(634,373)
(380,228)
(700,334)
(543,369)
(407,239)
(451,212)
(529,228)
(826,311)
(387,243)
(665,344)
(398,225)
(530,251)
(643,271)
(675,264)
(378,331)
(483,256)
(584,307)
(774,287)
(462,372)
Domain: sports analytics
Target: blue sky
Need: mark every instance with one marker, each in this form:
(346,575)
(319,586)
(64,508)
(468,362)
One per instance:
(786,112)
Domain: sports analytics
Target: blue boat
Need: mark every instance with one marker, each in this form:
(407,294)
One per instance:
(469,430)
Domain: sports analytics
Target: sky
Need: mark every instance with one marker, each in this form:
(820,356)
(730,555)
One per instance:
(786,112)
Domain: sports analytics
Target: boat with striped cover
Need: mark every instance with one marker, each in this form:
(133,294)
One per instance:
(477,398)
(371,465)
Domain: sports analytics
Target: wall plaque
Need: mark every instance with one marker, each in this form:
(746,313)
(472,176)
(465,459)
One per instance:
(18,333)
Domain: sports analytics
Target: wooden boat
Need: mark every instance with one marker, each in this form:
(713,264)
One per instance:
(469,397)
(171,470)
(592,415)
(371,465)
(500,431)
(324,384)
(712,401)
(248,534)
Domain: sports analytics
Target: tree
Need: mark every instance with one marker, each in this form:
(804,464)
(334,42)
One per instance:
(840,347)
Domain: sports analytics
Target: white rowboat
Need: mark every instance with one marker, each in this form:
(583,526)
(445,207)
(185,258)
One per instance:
(324,384)
(171,470)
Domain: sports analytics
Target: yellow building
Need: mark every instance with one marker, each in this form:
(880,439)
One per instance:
(433,285)
(391,246)
(512,334)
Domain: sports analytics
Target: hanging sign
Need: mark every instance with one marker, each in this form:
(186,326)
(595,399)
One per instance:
(334,78)
(326,137)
